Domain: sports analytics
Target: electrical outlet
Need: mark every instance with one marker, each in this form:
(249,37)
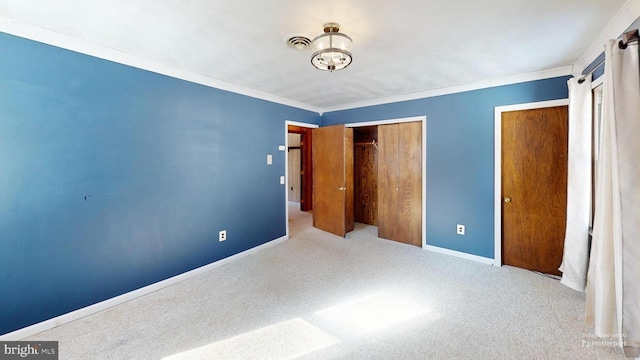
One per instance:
(222,235)
(460,229)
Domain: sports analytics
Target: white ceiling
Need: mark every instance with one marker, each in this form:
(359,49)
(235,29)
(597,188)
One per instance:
(400,46)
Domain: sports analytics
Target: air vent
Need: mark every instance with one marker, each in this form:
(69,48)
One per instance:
(299,42)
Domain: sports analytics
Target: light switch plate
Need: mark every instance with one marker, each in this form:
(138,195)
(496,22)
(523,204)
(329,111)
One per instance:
(281,148)
(269,159)
(282,180)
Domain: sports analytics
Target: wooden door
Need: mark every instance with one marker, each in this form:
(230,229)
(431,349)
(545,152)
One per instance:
(400,182)
(294,172)
(333,179)
(534,187)
(306,171)
(388,188)
(410,183)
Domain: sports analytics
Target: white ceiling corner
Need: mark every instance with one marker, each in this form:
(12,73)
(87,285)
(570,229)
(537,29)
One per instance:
(400,47)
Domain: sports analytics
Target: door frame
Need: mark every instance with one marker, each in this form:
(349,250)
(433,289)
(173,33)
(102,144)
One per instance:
(497,145)
(286,165)
(422,119)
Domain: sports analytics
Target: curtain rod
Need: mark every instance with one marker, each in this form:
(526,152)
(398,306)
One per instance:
(629,37)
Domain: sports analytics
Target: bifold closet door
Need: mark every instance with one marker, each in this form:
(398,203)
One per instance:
(410,183)
(400,182)
(388,188)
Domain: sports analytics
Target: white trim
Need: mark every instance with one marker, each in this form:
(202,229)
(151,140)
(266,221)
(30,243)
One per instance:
(616,26)
(595,83)
(300,124)
(540,75)
(463,255)
(50,37)
(103,305)
(286,165)
(497,175)
(533,105)
(387,121)
(423,119)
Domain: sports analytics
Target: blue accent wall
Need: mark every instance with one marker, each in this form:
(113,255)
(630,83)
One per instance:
(113,178)
(460,156)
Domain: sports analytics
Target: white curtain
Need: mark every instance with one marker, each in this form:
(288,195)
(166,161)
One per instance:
(613,283)
(575,259)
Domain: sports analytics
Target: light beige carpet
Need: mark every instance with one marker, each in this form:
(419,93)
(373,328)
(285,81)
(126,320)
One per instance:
(318,296)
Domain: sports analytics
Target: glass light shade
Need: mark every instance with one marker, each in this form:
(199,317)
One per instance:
(331,51)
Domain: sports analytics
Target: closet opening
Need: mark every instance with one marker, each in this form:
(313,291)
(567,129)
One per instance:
(388,179)
(380,181)
(365,174)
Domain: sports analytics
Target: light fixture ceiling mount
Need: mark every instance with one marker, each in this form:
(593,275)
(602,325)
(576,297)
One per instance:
(331,50)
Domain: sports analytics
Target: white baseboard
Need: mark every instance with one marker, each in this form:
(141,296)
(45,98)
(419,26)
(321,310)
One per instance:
(459,254)
(103,305)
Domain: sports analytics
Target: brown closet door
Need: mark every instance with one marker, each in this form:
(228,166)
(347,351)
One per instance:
(400,182)
(333,179)
(388,188)
(410,183)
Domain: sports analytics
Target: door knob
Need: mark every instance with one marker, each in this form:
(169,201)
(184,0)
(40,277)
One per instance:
(507,199)
(342,188)
(397,189)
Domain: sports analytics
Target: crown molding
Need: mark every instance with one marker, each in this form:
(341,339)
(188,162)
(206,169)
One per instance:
(50,37)
(539,75)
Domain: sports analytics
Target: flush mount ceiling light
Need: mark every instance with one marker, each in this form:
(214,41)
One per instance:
(331,49)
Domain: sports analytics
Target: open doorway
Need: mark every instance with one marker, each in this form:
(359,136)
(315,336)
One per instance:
(298,167)
(294,171)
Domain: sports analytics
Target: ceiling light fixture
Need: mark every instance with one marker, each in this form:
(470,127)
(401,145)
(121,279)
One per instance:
(331,49)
